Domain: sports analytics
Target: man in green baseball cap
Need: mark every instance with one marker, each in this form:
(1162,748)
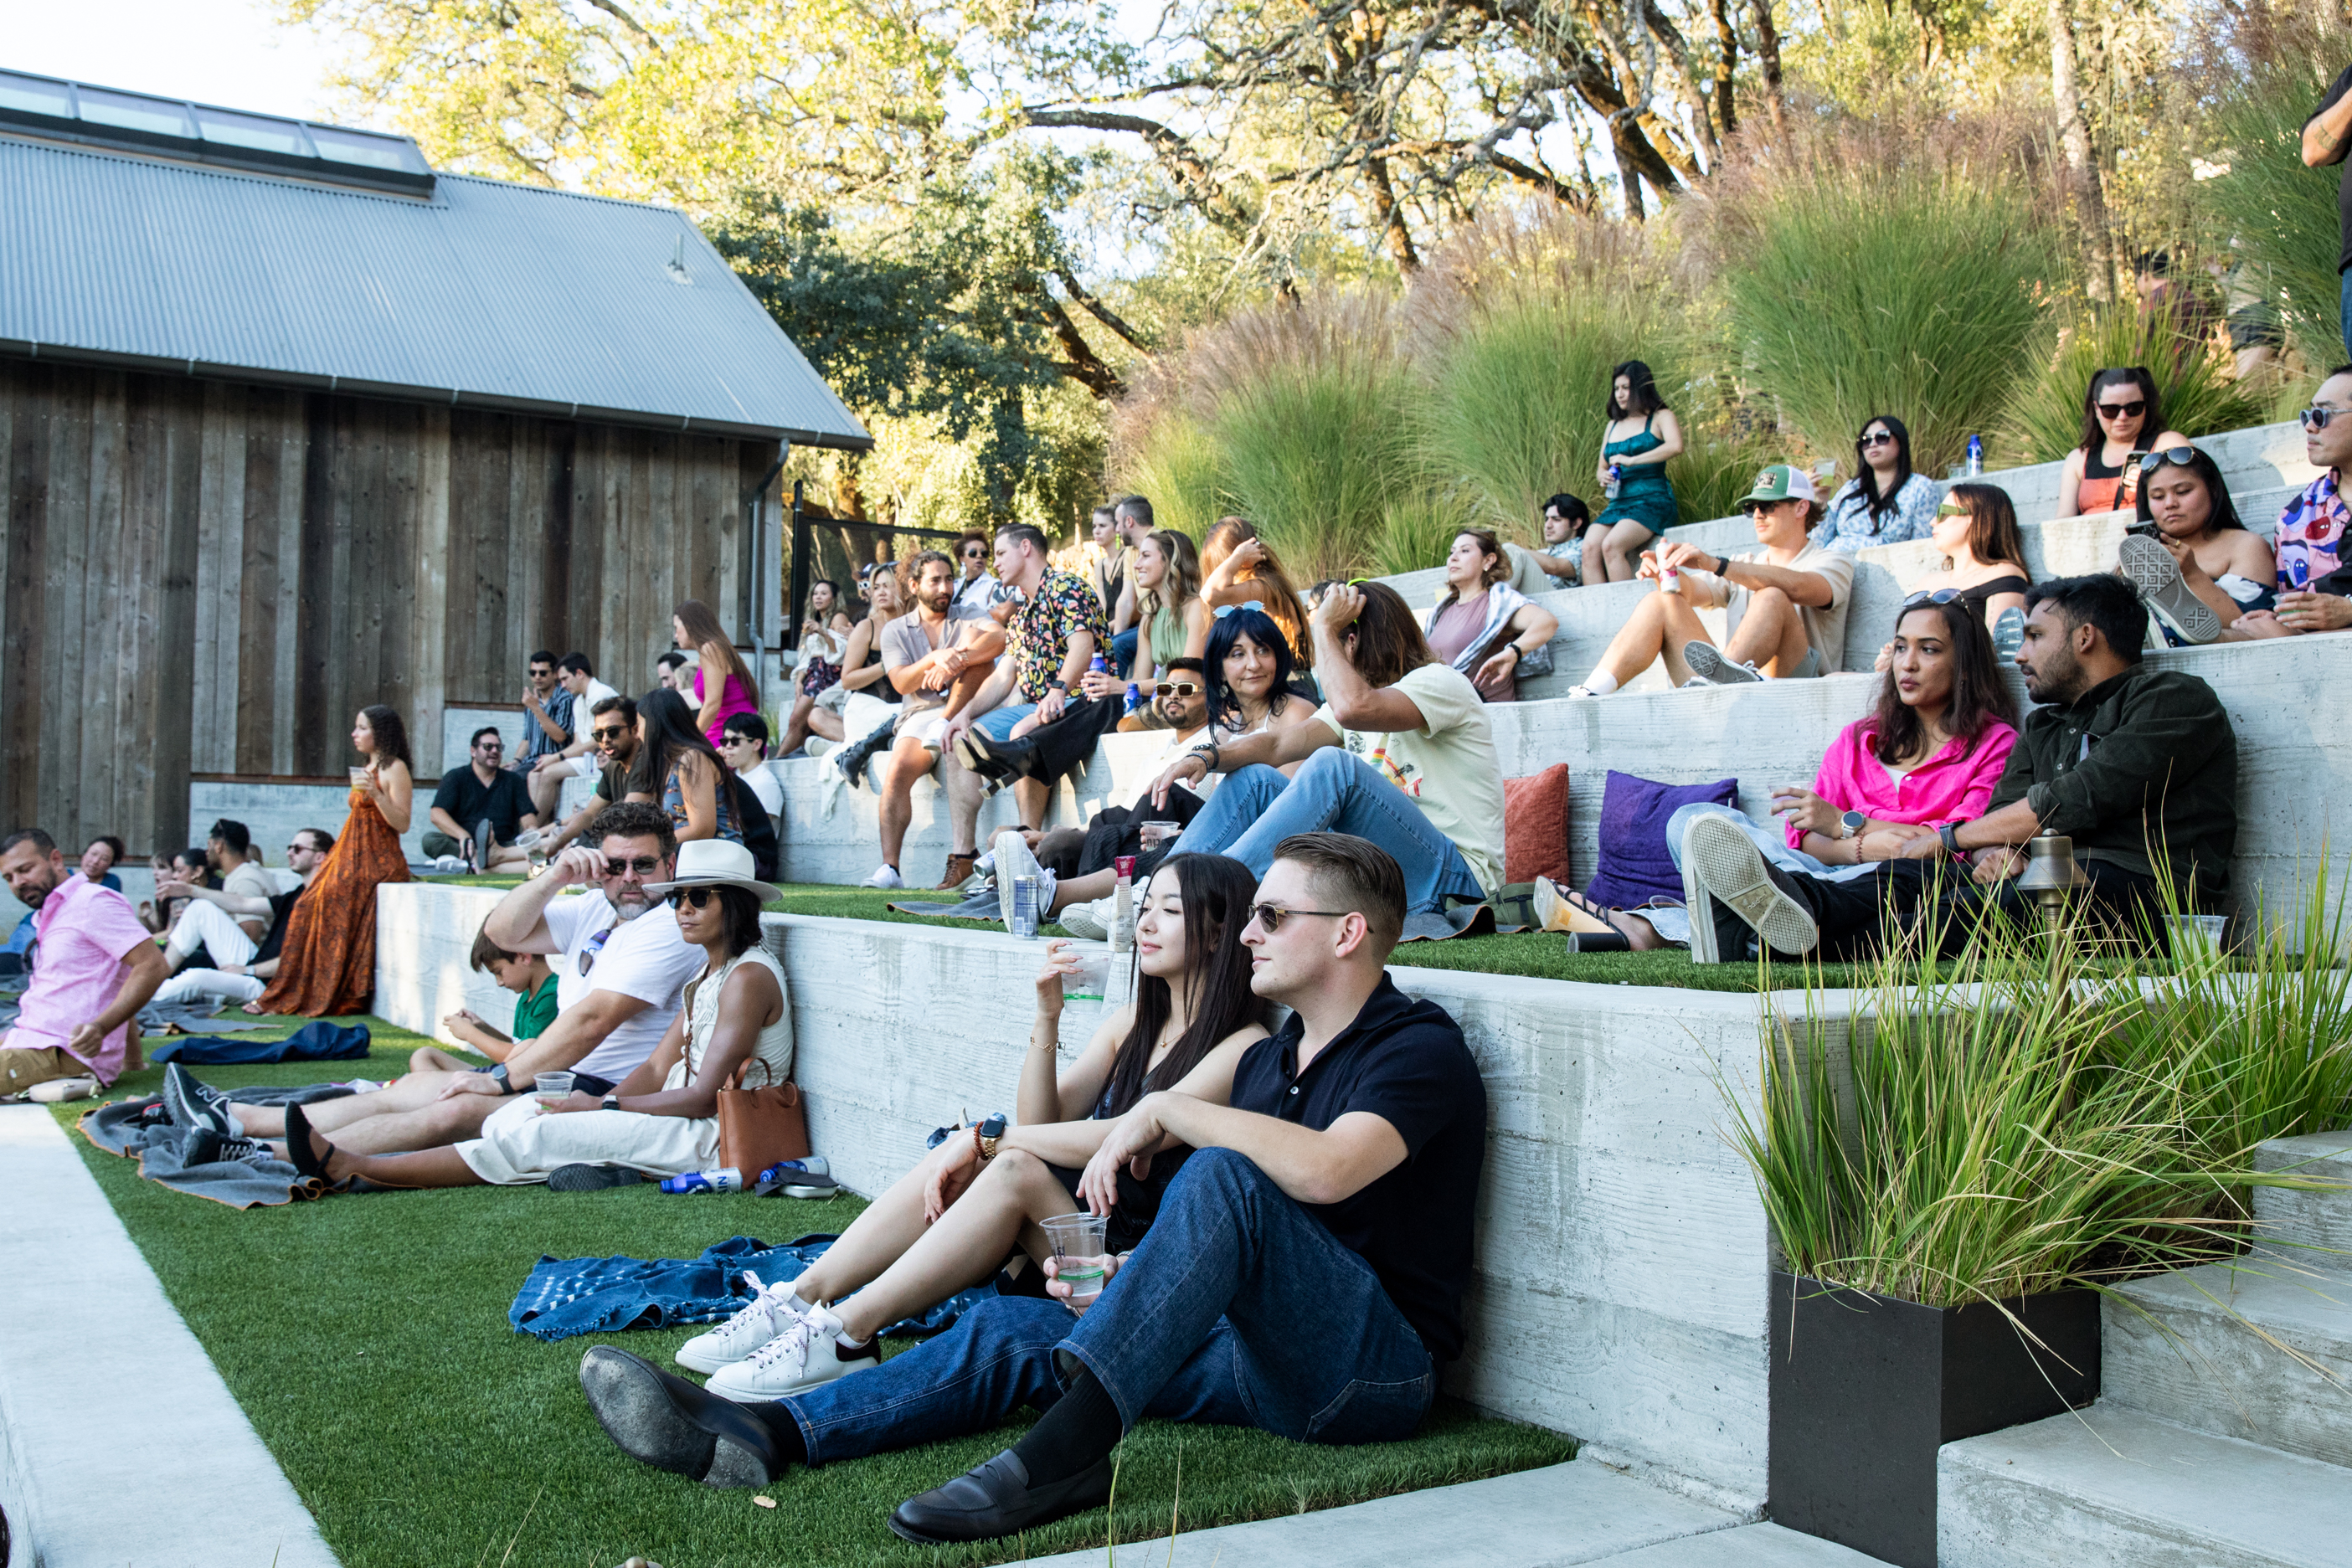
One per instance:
(1786,600)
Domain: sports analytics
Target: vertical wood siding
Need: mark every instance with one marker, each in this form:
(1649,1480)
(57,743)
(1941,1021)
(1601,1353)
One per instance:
(206,578)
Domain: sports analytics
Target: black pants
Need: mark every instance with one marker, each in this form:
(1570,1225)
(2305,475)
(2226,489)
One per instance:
(1853,916)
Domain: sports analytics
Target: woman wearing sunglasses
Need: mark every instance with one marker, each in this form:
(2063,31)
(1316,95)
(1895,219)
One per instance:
(949,1223)
(660,1120)
(1984,552)
(2194,563)
(1885,503)
(2118,413)
(1929,754)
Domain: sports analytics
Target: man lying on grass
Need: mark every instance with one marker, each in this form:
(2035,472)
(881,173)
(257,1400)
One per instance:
(615,1001)
(663,1120)
(1304,1273)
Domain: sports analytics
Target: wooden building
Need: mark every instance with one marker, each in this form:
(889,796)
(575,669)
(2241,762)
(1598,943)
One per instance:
(285,433)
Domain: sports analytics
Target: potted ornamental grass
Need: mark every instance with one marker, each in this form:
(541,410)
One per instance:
(1958,1161)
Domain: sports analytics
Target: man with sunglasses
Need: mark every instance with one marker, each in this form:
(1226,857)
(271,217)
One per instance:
(2314,563)
(578,757)
(618,990)
(481,809)
(245,980)
(613,731)
(1304,1274)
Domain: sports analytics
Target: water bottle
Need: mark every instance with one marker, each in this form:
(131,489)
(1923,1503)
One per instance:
(1976,456)
(1611,485)
(726,1178)
(1024,920)
(1134,697)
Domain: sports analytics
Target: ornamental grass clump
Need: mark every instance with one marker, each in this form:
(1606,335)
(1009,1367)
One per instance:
(2281,215)
(2043,1112)
(2195,383)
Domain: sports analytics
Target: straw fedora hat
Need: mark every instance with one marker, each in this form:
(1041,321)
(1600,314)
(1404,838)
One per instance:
(715,862)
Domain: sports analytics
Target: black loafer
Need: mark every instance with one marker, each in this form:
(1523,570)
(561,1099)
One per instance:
(662,1420)
(995,1500)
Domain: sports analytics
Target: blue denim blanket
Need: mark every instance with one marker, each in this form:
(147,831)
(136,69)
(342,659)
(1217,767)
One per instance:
(569,1296)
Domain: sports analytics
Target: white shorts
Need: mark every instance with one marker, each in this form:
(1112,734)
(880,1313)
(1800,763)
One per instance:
(928,727)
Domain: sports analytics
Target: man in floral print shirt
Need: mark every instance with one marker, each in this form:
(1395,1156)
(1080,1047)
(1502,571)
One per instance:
(1050,640)
(2314,560)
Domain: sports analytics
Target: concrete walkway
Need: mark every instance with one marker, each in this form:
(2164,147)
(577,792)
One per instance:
(1548,1518)
(120,1445)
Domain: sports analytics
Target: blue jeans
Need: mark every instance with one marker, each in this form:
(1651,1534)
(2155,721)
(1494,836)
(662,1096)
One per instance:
(1238,1308)
(1122,651)
(1256,808)
(997,722)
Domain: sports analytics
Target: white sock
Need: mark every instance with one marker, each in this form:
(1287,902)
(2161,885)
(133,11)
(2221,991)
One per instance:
(797,1306)
(1600,682)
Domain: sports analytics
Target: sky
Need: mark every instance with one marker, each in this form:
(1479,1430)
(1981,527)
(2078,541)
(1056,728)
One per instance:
(225,52)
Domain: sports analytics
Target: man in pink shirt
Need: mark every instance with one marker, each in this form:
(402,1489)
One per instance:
(93,967)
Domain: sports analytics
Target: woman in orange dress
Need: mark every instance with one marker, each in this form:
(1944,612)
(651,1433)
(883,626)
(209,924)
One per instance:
(327,967)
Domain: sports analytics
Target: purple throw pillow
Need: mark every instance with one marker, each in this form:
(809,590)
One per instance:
(1635,865)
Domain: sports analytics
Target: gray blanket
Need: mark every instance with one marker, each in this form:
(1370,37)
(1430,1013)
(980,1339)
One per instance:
(138,1129)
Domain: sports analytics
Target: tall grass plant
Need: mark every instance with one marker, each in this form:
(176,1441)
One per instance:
(2193,380)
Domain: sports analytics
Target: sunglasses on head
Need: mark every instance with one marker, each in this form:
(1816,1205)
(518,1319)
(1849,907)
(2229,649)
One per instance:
(1270,916)
(2318,418)
(644,865)
(1931,596)
(2131,409)
(1174,689)
(2177,455)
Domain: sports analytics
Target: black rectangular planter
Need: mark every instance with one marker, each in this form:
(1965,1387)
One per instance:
(1865,1388)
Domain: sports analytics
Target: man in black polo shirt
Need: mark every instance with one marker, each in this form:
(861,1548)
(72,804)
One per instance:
(2129,762)
(481,809)
(1304,1274)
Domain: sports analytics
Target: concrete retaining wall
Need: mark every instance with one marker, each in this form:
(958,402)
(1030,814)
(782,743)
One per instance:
(1621,1290)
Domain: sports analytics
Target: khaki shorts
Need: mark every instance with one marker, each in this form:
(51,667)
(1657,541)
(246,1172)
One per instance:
(20,1069)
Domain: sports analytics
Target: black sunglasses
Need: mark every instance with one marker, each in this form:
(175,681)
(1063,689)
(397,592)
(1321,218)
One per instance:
(1931,596)
(696,897)
(644,865)
(1174,689)
(2179,457)
(1877,438)
(615,733)
(1270,916)
(2131,409)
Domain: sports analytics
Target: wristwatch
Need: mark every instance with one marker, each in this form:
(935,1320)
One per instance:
(1851,822)
(1950,833)
(497,1075)
(984,1135)
(609,1103)
(1057,684)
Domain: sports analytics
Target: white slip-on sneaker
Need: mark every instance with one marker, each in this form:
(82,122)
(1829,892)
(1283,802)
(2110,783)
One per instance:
(1722,864)
(1709,664)
(55,1091)
(808,1353)
(2149,568)
(768,1314)
(1089,921)
(885,876)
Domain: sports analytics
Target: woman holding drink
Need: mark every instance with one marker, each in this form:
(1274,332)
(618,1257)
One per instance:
(988,1190)
(326,967)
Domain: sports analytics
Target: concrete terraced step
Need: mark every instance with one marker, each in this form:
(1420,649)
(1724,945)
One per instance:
(2110,1484)
(2308,1220)
(2261,1351)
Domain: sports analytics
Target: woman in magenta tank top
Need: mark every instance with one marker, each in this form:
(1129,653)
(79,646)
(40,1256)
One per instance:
(722,686)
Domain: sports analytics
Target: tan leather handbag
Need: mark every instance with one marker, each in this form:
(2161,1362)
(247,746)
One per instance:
(757,1128)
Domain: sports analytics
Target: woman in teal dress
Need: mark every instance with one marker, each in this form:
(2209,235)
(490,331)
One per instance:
(1642,434)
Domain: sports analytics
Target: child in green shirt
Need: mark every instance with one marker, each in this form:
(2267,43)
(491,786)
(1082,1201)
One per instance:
(533,983)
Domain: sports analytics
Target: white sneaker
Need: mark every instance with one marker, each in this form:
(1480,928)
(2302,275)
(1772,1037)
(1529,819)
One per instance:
(1583,692)
(1090,921)
(808,1353)
(1709,663)
(1013,860)
(768,1314)
(52,1090)
(885,876)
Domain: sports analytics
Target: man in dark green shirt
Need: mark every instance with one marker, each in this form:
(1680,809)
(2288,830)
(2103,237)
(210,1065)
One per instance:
(2129,762)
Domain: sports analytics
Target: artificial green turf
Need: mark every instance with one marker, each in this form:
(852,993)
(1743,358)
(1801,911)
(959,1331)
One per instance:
(366,1337)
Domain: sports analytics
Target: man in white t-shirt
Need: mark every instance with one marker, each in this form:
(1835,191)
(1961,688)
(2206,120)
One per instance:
(617,994)
(1787,600)
(1402,756)
(936,656)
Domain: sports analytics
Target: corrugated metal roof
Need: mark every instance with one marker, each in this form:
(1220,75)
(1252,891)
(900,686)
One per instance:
(487,293)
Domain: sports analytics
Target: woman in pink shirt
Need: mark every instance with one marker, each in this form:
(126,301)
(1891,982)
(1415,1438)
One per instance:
(1930,754)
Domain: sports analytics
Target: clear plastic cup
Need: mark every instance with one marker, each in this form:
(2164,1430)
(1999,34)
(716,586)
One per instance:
(1080,1254)
(1093,976)
(554,1085)
(2197,934)
(1155,835)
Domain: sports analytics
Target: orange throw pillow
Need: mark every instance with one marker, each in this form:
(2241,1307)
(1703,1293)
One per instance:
(1535,826)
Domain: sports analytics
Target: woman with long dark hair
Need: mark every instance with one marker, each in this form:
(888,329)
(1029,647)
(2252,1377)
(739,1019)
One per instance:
(1251,674)
(1984,552)
(2119,408)
(1641,435)
(948,1224)
(2192,560)
(1929,753)
(327,964)
(678,769)
(723,684)
(1886,502)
